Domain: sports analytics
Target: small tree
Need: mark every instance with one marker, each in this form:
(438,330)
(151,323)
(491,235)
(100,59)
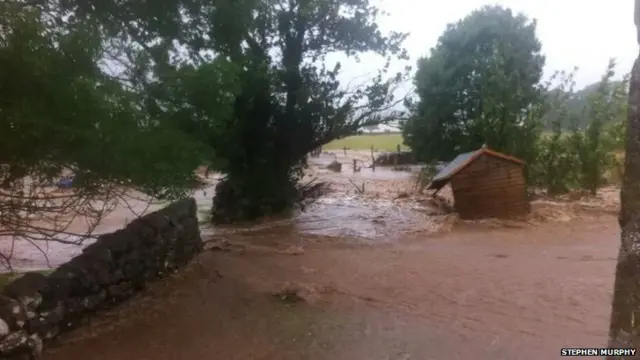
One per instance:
(578,153)
(602,111)
(554,164)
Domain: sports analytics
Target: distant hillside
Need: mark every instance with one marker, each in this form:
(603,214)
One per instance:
(577,104)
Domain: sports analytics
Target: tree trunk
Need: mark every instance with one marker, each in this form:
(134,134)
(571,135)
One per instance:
(624,330)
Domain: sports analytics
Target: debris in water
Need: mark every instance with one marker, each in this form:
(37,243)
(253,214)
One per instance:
(335,166)
(359,189)
(224,245)
(294,250)
(379,220)
(293,293)
(402,195)
(405,168)
(218,245)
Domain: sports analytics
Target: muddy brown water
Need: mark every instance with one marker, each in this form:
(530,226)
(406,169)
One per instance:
(346,218)
(28,255)
(469,293)
(383,281)
(338,215)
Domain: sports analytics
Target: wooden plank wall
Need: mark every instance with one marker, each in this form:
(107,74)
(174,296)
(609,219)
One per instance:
(490,187)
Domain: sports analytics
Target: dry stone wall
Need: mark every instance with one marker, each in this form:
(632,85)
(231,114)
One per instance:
(36,308)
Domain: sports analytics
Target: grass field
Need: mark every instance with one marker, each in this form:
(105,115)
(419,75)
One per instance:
(384,141)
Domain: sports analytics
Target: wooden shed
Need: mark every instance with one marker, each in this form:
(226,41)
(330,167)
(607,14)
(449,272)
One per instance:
(485,184)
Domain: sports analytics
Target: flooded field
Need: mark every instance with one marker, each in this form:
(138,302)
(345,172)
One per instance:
(373,215)
(384,274)
(28,255)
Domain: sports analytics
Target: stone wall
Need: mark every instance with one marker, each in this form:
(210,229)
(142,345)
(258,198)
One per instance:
(35,307)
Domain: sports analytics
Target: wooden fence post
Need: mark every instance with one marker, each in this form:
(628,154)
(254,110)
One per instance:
(373,160)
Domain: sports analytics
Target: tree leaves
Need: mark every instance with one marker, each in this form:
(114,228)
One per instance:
(149,90)
(476,87)
(61,112)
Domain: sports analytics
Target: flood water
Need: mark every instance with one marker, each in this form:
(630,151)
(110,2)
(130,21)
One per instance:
(498,294)
(382,277)
(27,255)
(345,215)
(343,218)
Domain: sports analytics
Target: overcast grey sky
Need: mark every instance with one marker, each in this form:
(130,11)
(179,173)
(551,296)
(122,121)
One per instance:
(573,32)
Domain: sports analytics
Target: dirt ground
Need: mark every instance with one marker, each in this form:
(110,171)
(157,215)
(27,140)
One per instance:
(385,275)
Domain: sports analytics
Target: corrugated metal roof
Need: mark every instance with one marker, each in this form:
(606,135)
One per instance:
(463,160)
(454,166)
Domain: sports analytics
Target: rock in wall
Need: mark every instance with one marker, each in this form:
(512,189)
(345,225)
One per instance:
(35,307)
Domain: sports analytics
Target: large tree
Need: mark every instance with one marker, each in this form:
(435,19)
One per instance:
(250,79)
(477,86)
(290,101)
(625,321)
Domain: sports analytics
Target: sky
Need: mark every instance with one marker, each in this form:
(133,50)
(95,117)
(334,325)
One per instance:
(573,32)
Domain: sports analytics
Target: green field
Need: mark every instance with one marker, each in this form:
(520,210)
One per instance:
(385,141)
(380,142)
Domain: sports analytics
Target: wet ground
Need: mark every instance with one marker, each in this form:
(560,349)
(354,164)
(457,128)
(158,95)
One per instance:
(384,275)
(482,294)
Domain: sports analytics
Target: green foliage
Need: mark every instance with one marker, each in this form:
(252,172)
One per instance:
(479,85)
(616,128)
(141,93)
(60,111)
(582,157)
(248,80)
(593,157)
(290,104)
(552,167)
(578,103)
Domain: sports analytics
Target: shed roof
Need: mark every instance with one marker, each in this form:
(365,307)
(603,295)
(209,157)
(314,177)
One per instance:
(461,161)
